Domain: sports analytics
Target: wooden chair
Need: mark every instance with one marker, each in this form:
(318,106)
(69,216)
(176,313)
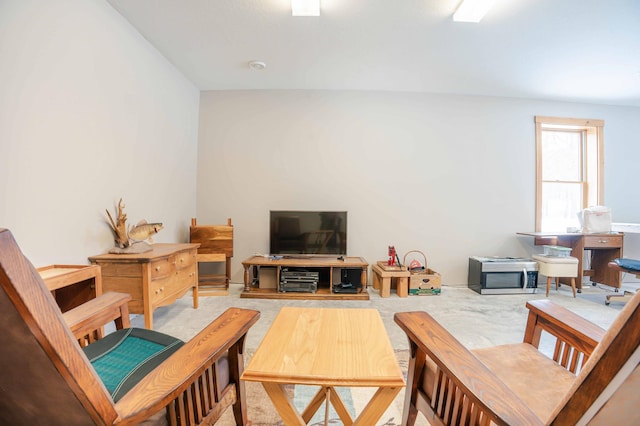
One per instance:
(47,378)
(593,377)
(216,246)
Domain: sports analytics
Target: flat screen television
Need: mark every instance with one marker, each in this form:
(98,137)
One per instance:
(307,232)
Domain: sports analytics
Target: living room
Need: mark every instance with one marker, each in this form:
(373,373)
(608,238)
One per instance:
(91,112)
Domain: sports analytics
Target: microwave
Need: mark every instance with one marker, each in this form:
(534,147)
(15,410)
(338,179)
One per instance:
(503,275)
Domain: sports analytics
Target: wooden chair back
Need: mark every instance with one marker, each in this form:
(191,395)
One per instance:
(44,373)
(213,239)
(609,381)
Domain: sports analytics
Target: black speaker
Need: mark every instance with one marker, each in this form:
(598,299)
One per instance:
(351,276)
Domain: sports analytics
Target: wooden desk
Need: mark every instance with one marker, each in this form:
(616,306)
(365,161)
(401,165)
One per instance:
(327,348)
(72,285)
(155,278)
(603,247)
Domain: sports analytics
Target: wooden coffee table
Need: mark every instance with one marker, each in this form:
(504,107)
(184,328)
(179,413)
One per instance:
(329,348)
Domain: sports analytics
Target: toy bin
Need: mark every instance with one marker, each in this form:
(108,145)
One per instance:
(423,281)
(557,251)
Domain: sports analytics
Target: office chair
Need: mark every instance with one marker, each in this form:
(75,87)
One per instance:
(630,266)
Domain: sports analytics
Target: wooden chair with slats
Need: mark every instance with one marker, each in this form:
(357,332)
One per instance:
(216,247)
(46,377)
(592,378)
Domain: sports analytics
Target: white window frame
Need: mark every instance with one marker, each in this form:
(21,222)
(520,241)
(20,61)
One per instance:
(591,127)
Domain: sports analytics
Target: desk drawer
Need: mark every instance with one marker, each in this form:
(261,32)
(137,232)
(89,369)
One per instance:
(596,241)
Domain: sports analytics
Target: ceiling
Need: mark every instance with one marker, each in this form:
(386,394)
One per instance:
(570,50)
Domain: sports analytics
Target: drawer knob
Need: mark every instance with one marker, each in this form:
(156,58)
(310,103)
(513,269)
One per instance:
(157,268)
(603,241)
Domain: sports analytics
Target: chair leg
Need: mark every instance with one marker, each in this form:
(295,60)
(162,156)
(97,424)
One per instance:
(236,367)
(624,297)
(548,285)
(573,286)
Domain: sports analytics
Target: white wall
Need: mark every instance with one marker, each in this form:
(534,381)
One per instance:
(452,176)
(89,113)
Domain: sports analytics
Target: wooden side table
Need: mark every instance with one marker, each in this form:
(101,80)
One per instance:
(326,347)
(72,285)
(382,277)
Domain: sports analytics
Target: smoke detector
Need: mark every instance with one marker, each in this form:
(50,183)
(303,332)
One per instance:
(257,65)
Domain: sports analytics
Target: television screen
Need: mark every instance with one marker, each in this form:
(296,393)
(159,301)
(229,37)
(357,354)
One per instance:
(308,232)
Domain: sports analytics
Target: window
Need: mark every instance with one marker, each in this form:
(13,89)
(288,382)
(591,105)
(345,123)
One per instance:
(569,170)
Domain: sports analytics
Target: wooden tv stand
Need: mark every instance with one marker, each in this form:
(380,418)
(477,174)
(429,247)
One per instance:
(262,275)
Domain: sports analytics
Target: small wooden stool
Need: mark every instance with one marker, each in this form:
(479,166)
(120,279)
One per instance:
(557,267)
(382,280)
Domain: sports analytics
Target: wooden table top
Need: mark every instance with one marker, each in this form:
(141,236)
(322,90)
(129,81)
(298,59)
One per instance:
(327,347)
(58,276)
(308,261)
(160,250)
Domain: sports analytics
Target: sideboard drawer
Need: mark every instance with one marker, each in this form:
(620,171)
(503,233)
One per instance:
(186,277)
(596,241)
(163,267)
(112,269)
(160,288)
(186,259)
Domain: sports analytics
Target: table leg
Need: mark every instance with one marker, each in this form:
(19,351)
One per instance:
(340,408)
(377,406)
(247,278)
(326,407)
(314,404)
(195,294)
(376,281)
(335,400)
(403,287)
(283,404)
(385,290)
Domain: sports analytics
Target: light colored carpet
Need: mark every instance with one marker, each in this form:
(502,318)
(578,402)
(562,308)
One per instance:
(475,320)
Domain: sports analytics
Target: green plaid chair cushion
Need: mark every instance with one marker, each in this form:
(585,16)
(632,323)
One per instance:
(124,357)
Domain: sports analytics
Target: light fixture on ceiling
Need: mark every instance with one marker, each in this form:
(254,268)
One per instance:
(472,10)
(257,65)
(305,7)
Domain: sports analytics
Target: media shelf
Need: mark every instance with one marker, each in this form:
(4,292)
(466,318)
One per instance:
(262,277)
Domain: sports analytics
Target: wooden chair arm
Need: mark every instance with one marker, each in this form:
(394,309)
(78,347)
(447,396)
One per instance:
(568,327)
(87,320)
(175,375)
(459,365)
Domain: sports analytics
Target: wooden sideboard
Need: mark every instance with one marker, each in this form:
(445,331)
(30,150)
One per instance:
(155,278)
(259,269)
